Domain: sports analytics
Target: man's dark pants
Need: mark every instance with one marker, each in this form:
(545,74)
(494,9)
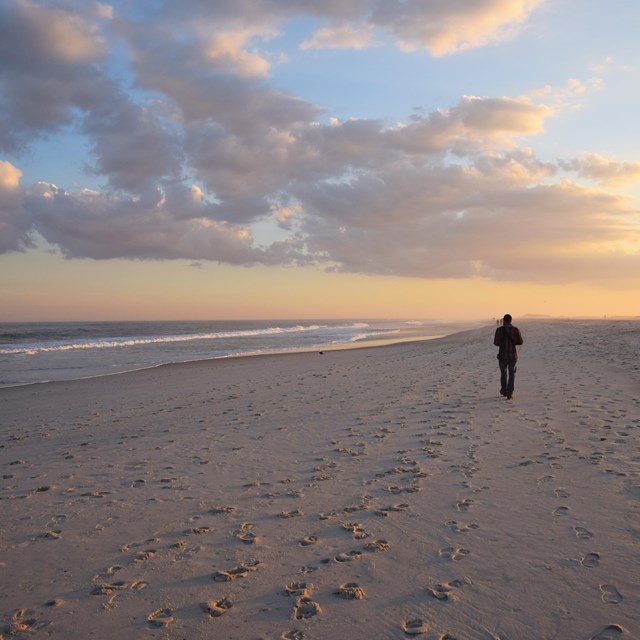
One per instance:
(507,375)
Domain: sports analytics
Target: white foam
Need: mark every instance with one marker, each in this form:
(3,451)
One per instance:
(379,334)
(110,343)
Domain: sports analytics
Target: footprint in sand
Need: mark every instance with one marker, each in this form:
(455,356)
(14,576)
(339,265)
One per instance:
(461,528)
(396,490)
(442,592)
(377,545)
(363,505)
(384,511)
(216,608)
(143,556)
(464,505)
(308,540)
(292,635)
(583,533)
(610,594)
(561,511)
(21,620)
(56,602)
(610,632)
(160,618)
(290,514)
(306,608)
(197,531)
(106,588)
(415,627)
(348,556)
(298,589)
(109,571)
(95,494)
(239,571)
(590,560)
(358,530)
(43,489)
(350,591)
(561,493)
(451,553)
(222,509)
(245,533)
(52,534)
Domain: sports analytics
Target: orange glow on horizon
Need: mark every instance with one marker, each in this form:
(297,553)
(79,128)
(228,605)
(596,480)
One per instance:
(127,290)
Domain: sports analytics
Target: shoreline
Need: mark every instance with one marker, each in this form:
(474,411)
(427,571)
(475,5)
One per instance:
(364,344)
(346,346)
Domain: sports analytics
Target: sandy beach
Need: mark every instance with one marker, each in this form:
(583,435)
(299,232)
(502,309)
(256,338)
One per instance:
(385,492)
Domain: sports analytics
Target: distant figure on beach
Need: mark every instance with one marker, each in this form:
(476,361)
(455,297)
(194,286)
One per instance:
(507,338)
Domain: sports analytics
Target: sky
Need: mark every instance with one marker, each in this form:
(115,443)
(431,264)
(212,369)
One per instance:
(221,159)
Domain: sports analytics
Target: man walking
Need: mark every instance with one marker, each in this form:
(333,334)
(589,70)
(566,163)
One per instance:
(507,338)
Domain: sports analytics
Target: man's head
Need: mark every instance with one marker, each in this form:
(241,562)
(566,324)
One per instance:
(507,318)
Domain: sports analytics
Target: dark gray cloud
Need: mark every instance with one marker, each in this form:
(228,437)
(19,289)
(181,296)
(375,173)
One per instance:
(88,224)
(132,146)
(49,59)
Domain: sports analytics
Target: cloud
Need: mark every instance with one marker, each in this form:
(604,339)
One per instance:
(255,165)
(15,222)
(569,96)
(611,65)
(227,50)
(473,124)
(499,116)
(133,147)
(205,149)
(449,194)
(162,225)
(456,222)
(33,32)
(441,28)
(593,166)
(449,27)
(52,66)
(341,37)
(199,89)
(48,57)
(284,215)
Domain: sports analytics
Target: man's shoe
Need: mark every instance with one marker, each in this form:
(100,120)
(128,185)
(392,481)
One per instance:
(510,396)
(502,392)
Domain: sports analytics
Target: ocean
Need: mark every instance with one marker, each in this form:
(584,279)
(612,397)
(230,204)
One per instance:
(43,352)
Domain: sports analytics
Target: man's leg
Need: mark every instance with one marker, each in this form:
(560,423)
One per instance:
(512,378)
(504,365)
